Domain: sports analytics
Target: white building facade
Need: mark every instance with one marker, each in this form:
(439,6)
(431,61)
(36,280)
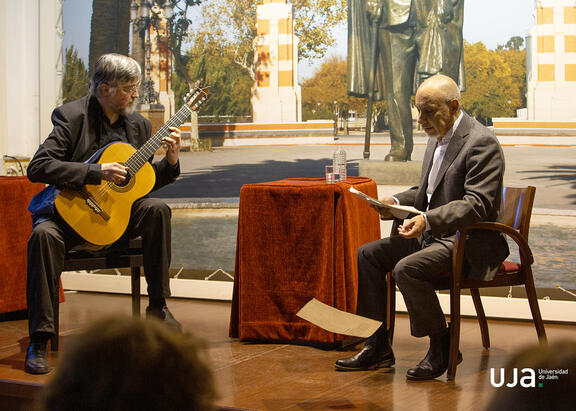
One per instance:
(31,70)
(276,95)
(551,62)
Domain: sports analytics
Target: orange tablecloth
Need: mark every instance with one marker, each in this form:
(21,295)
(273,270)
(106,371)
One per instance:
(15,228)
(297,240)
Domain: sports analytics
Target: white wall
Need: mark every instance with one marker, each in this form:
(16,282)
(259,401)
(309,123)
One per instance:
(30,72)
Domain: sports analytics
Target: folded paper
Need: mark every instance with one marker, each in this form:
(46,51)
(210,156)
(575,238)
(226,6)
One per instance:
(336,321)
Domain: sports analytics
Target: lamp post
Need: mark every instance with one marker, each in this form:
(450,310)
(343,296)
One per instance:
(336,114)
(144,15)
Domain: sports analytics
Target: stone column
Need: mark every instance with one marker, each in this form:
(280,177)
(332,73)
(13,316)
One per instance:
(154,113)
(276,96)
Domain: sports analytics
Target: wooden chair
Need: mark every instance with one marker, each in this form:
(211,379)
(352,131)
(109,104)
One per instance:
(515,223)
(122,254)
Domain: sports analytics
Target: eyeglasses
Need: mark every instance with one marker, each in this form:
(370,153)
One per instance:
(130,89)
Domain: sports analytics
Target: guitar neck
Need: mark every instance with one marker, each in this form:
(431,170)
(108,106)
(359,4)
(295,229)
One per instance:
(141,156)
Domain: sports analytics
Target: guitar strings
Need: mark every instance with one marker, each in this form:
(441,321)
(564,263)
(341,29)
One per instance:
(148,149)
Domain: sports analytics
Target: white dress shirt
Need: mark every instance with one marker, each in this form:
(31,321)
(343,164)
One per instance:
(439,154)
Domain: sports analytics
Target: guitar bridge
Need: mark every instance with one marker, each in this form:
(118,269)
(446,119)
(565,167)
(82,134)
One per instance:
(93,204)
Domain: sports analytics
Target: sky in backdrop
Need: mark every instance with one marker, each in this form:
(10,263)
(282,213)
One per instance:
(493,22)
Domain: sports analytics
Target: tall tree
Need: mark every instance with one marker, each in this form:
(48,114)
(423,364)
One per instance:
(75,82)
(327,88)
(232,23)
(515,43)
(495,81)
(177,28)
(230,84)
(110,31)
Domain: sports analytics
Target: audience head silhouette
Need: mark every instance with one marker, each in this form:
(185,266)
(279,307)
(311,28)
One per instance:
(127,364)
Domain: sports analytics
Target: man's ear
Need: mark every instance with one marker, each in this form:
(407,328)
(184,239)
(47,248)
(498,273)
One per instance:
(454,105)
(104,89)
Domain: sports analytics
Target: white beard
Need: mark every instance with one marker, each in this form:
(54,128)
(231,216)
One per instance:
(129,109)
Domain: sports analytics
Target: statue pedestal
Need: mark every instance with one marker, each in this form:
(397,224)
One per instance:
(154,113)
(390,172)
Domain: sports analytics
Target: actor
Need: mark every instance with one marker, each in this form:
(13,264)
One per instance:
(82,127)
(461,184)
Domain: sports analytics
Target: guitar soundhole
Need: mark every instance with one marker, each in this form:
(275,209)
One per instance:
(125,185)
(126,181)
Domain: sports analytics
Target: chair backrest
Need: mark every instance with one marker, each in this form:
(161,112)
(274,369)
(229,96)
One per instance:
(517,208)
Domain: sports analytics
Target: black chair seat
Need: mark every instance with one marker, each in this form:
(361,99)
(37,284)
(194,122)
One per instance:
(125,253)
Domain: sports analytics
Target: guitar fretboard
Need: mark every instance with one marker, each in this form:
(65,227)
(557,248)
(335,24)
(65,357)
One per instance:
(141,156)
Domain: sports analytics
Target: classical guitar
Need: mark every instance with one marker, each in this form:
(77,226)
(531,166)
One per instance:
(100,213)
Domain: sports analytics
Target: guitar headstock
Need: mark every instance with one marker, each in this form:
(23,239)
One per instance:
(196,97)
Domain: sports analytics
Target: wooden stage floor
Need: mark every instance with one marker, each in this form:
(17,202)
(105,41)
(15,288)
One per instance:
(291,377)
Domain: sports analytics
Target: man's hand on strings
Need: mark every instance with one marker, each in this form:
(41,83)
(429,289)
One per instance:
(173,143)
(114,172)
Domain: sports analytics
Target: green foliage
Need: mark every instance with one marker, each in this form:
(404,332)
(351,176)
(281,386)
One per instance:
(515,43)
(495,80)
(178,33)
(76,82)
(314,20)
(232,24)
(230,84)
(328,85)
(222,52)
(495,84)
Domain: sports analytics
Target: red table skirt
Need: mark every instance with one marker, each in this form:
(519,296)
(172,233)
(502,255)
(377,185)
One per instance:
(297,240)
(15,228)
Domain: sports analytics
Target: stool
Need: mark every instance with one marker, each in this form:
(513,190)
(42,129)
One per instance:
(122,254)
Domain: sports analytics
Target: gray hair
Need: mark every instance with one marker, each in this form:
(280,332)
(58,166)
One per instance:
(113,69)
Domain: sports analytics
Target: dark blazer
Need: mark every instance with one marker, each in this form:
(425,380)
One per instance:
(468,190)
(76,136)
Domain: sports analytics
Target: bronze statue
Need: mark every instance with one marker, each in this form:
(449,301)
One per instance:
(395,45)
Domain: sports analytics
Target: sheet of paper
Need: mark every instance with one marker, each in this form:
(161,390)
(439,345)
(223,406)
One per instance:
(398,211)
(337,321)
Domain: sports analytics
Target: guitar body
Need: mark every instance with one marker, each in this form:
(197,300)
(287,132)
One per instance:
(100,213)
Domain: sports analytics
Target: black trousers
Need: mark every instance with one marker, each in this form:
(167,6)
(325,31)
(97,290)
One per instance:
(50,240)
(414,262)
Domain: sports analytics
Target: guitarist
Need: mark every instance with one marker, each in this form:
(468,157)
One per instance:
(82,127)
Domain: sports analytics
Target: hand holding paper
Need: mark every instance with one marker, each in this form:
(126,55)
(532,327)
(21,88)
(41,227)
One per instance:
(398,211)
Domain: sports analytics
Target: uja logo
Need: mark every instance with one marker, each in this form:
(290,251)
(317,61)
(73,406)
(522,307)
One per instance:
(528,378)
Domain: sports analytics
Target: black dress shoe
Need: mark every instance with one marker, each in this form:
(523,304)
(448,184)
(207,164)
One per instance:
(36,359)
(436,361)
(164,315)
(377,353)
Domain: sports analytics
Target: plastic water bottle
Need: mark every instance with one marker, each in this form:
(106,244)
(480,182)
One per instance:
(339,162)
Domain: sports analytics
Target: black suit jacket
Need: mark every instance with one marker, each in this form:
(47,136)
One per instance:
(468,190)
(76,136)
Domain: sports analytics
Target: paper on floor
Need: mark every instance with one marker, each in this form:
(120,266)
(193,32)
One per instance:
(336,321)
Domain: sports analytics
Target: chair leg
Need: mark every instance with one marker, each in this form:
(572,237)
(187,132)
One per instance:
(481,317)
(391,306)
(454,333)
(135,274)
(533,302)
(56,313)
